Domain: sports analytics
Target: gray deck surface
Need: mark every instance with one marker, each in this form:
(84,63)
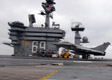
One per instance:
(12,68)
(9,73)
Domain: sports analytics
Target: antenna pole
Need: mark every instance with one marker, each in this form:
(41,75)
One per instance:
(47,22)
(49,8)
(77,29)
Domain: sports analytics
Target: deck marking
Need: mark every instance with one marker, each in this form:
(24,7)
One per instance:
(82,61)
(45,77)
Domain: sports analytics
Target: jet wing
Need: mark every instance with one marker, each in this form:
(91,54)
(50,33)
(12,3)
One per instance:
(66,45)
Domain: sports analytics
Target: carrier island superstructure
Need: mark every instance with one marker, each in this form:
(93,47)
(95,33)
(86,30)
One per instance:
(30,40)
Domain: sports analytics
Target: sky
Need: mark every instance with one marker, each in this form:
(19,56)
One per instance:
(95,15)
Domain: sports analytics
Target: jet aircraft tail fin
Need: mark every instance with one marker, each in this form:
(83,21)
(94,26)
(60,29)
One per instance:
(102,47)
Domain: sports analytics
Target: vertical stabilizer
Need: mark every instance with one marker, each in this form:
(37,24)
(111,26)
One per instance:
(102,47)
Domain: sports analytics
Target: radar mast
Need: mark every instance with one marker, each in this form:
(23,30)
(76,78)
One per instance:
(48,10)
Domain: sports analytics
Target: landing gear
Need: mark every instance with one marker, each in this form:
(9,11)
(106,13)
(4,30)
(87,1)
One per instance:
(85,56)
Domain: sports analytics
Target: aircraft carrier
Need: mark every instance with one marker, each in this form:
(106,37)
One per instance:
(46,40)
(30,41)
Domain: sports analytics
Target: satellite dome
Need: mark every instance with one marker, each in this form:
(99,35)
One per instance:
(85,39)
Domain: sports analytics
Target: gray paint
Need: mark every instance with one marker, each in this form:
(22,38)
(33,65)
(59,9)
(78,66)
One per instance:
(22,36)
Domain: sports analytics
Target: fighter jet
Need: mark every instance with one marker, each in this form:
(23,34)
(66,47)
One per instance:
(84,51)
(78,48)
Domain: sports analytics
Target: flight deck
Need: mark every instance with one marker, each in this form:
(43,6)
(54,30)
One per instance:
(12,68)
